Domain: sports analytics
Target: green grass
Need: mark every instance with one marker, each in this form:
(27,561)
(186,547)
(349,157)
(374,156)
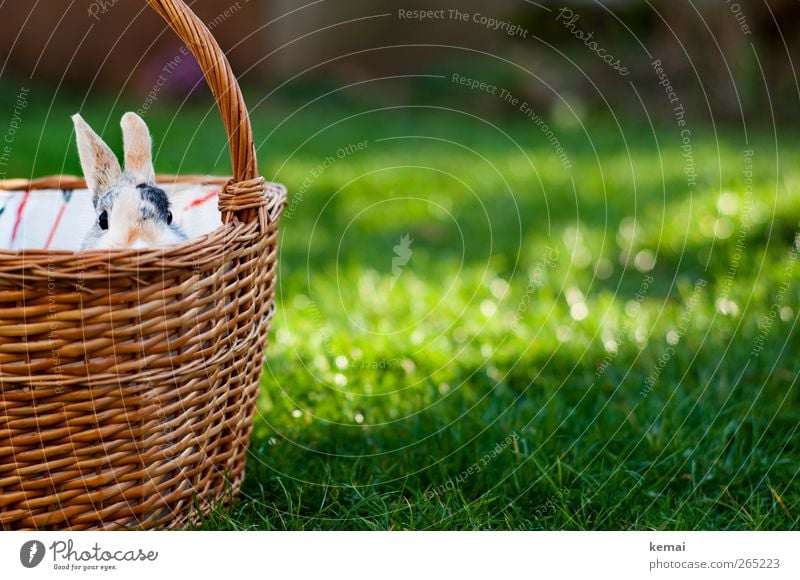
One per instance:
(499,382)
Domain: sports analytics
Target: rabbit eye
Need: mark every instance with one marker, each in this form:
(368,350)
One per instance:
(169,218)
(103,221)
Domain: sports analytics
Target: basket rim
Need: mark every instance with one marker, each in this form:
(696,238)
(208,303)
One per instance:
(68,182)
(116,258)
(194,252)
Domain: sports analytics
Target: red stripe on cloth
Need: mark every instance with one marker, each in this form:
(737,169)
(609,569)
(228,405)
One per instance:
(20,211)
(202,200)
(55,226)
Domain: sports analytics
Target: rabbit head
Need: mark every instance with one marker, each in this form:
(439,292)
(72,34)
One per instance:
(131,211)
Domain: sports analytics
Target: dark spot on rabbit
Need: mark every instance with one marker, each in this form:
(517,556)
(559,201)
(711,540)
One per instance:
(103,221)
(156,199)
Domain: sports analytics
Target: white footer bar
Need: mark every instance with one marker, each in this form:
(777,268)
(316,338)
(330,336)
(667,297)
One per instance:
(400,555)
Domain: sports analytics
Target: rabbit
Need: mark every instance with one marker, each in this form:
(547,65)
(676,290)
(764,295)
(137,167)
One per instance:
(132,212)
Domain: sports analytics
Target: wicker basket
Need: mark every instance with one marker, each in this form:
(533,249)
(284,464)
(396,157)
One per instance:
(128,379)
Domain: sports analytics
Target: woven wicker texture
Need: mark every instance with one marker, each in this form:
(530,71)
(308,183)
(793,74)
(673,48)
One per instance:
(128,379)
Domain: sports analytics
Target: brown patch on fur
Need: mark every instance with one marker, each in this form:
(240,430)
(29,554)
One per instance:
(133,234)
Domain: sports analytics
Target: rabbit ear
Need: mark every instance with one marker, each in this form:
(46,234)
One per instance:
(100,166)
(138,149)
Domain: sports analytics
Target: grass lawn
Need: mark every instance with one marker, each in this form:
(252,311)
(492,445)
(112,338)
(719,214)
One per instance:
(599,346)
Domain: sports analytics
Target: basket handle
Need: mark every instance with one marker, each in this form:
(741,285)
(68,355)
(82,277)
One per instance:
(228,95)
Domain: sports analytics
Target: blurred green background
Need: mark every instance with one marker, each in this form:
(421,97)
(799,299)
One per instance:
(568,311)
